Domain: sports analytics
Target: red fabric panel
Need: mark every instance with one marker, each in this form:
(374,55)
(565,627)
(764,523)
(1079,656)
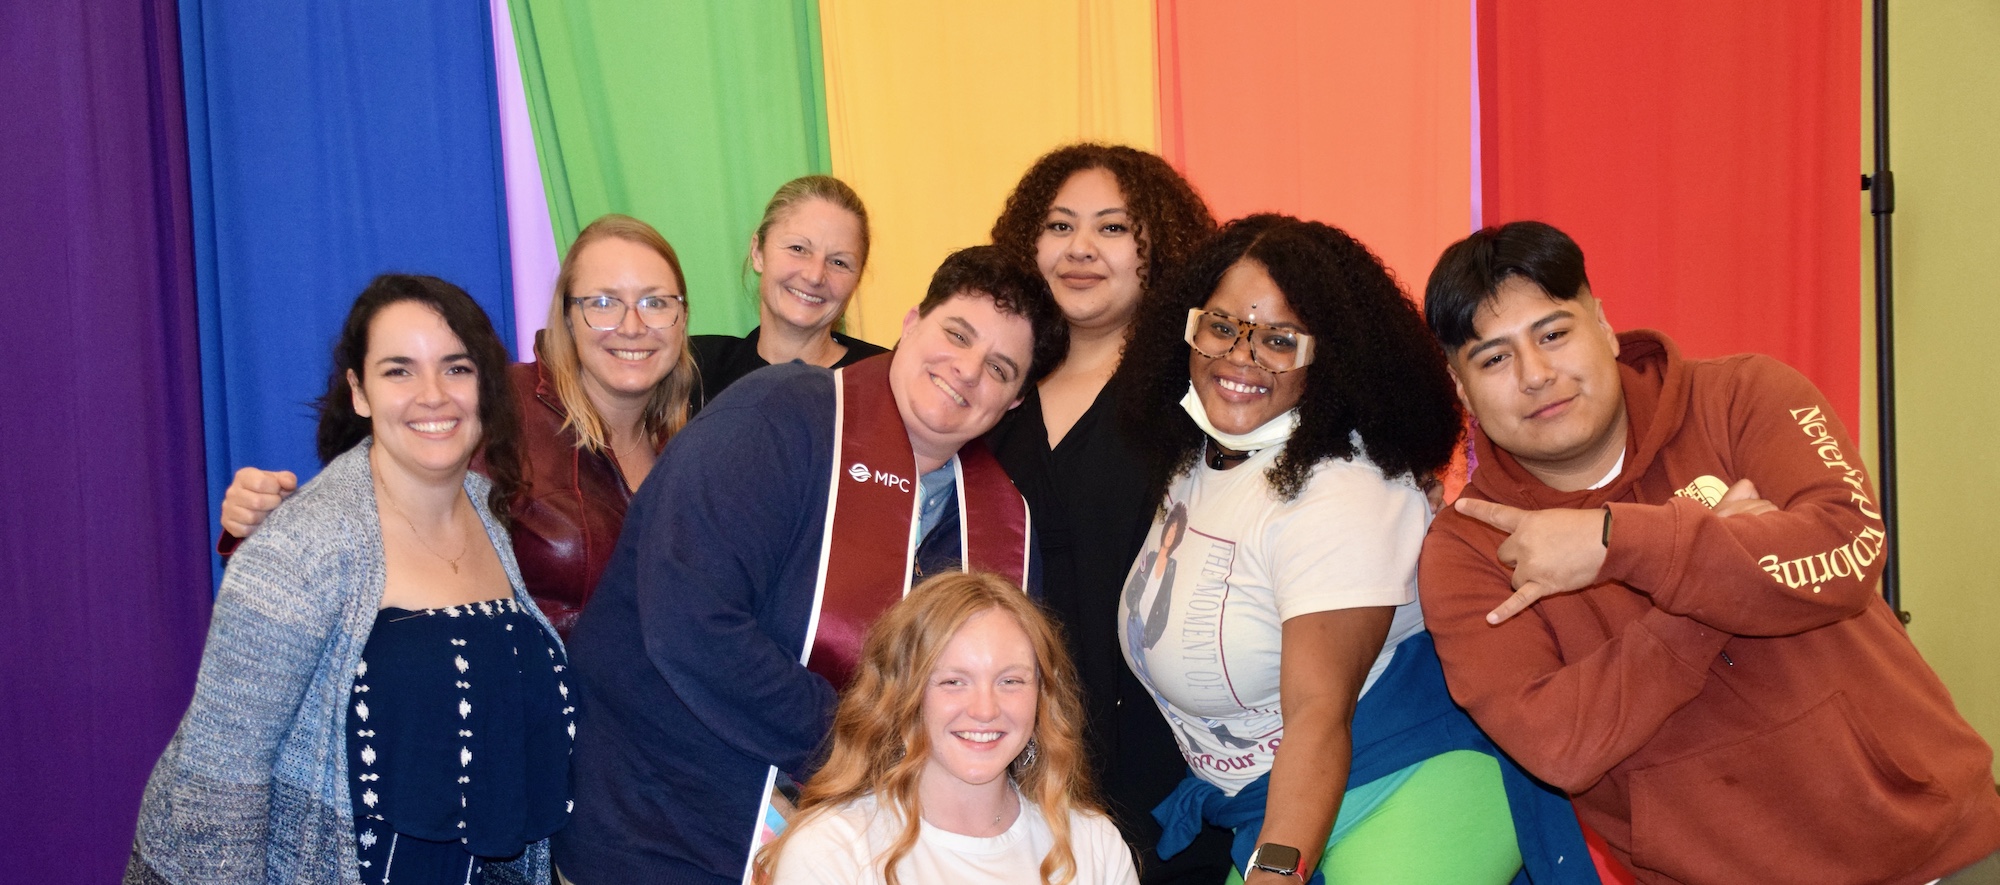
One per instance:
(1706,156)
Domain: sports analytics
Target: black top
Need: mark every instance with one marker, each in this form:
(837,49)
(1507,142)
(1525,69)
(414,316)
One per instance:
(721,359)
(458,739)
(1088,497)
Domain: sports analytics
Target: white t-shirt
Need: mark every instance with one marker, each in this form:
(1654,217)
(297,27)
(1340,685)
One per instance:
(1202,629)
(841,847)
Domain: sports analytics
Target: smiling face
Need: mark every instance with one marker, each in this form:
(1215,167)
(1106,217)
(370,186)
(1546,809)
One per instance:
(1239,395)
(1541,375)
(809,262)
(956,371)
(1090,253)
(419,391)
(979,703)
(628,361)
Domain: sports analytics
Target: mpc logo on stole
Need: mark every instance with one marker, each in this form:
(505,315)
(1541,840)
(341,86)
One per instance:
(860,473)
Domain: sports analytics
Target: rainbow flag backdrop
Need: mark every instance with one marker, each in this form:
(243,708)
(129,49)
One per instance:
(1681,146)
(1685,148)
(196,189)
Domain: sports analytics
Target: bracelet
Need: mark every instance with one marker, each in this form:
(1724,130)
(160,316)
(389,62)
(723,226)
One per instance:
(1607,526)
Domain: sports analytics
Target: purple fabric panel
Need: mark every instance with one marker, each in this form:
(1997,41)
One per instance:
(103,527)
(531,239)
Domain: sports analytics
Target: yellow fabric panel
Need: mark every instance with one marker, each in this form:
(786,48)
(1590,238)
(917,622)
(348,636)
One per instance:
(935,110)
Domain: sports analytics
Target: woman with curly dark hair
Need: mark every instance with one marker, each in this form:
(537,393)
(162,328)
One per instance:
(1102,223)
(1292,402)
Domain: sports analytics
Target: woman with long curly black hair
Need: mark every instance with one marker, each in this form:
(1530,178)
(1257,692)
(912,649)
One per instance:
(1295,405)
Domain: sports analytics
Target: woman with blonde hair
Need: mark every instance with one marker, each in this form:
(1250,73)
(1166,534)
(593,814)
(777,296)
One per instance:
(956,755)
(808,252)
(612,383)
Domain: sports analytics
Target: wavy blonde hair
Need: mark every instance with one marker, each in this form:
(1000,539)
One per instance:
(667,409)
(879,744)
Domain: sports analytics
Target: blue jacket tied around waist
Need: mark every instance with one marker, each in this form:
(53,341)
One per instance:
(1405,718)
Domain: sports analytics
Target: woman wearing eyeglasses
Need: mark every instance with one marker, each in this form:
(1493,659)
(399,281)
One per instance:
(1291,399)
(808,253)
(612,382)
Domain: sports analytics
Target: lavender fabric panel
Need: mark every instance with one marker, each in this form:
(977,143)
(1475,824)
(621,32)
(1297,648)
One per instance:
(102,534)
(531,239)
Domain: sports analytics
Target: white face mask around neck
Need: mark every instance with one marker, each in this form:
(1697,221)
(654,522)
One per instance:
(1271,433)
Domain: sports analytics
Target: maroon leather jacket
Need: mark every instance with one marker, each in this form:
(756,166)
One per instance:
(571,506)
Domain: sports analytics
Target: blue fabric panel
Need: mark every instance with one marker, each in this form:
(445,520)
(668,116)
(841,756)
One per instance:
(329,142)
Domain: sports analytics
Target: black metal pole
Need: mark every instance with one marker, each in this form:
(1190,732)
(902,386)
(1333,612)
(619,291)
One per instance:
(1881,187)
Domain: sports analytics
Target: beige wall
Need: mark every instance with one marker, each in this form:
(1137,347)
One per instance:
(1945,150)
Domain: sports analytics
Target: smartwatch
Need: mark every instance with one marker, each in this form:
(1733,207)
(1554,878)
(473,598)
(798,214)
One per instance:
(1274,858)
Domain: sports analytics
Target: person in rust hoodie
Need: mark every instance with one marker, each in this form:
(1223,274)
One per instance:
(1658,593)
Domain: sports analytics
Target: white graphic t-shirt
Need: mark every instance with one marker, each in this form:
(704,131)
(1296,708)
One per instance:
(1201,624)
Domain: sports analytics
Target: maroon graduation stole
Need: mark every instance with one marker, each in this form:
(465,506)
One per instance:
(869,550)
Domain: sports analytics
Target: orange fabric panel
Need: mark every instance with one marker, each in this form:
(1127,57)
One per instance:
(1352,112)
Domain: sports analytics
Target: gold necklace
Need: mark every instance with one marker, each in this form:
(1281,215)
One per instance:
(638,445)
(448,560)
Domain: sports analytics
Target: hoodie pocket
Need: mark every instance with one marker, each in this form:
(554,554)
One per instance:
(1817,799)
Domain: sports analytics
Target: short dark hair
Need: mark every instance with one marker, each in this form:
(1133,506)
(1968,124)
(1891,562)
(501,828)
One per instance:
(1470,272)
(1016,288)
(340,427)
(1375,374)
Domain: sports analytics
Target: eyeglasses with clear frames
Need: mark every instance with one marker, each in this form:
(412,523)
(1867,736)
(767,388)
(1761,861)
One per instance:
(605,313)
(1214,334)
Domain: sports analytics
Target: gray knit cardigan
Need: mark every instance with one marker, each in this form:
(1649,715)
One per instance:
(253,787)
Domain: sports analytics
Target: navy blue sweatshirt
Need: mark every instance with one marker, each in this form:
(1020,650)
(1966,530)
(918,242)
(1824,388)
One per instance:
(687,656)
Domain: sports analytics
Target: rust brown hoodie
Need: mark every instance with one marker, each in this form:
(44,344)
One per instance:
(1733,701)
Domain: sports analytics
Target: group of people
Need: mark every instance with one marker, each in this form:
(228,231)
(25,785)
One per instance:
(1108,572)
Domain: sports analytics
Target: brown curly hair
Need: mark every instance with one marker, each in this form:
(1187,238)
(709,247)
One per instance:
(1376,373)
(1168,216)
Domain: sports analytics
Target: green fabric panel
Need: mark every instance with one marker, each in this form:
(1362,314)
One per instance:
(685,114)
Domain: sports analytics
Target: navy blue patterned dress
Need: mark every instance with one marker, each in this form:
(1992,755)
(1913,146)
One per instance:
(458,741)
